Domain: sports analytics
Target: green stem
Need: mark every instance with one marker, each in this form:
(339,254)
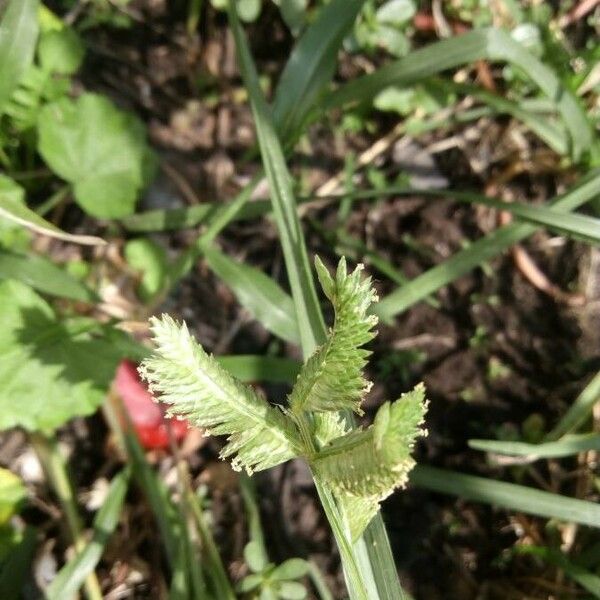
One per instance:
(352,572)
(318,581)
(215,568)
(55,468)
(54,200)
(254,524)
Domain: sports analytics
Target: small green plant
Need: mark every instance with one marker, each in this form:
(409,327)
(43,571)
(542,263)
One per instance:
(268,581)
(362,467)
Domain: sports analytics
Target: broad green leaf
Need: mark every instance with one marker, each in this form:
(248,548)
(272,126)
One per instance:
(257,293)
(150,259)
(51,371)
(99,149)
(579,411)
(11,192)
(490,44)
(197,388)
(12,495)
(71,577)
(365,466)
(332,378)
(43,275)
(567,446)
(507,495)
(61,51)
(18,35)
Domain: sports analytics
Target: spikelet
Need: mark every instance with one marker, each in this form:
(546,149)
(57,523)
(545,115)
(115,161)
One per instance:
(332,379)
(181,374)
(364,467)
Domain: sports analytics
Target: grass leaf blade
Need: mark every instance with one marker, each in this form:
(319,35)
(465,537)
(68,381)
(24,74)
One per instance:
(477,253)
(18,35)
(311,65)
(71,577)
(257,293)
(489,44)
(565,447)
(507,495)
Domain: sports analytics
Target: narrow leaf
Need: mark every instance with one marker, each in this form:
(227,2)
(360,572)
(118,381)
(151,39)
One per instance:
(71,577)
(197,388)
(579,411)
(478,253)
(507,495)
(257,293)
(18,35)
(567,446)
(490,44)
(586,579)
(311,65)
(13,209)
(309,318)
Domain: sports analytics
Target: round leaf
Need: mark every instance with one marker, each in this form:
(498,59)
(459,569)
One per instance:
(396,12)
(255,557)
(148,257)
(61,51)
(292,590)
(294,568)
(98,148)
(248,10)
(249,583)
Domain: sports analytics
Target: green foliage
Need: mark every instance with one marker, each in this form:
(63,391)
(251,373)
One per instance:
(150,259)
(12,495)
(268,581)
(72,576)
(61,51)
(363,466)
(51,371)
(257,293)
(99,149)
(18,34)
(332,378)
(293,12)
(384,27)
(14,211)
(43,275)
